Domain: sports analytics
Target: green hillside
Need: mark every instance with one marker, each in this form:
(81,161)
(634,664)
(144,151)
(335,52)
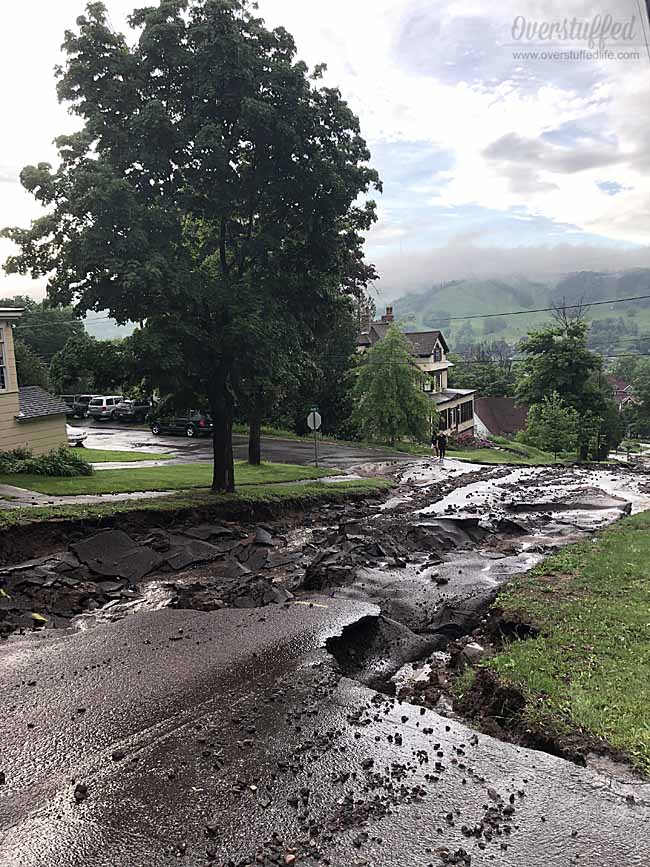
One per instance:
(617,327)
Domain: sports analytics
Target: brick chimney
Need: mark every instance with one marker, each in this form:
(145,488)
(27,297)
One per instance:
(388,315)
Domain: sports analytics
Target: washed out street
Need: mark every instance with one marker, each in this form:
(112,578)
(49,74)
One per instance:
(263,699)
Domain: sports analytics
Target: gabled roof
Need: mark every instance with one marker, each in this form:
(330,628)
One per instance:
(35,402)
(501,415)
(423,342)
(618,384)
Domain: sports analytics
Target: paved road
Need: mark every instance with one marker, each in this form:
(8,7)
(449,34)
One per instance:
(240,716)
(102,435)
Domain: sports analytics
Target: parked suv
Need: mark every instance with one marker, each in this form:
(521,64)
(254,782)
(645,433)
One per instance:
(69,400)
(191,422)
(103,407)
(133,410)
(80,404)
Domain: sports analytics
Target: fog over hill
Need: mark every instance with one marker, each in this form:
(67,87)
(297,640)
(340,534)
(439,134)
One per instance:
(622,322)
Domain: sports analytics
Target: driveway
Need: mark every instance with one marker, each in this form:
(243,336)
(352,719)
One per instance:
(123,438)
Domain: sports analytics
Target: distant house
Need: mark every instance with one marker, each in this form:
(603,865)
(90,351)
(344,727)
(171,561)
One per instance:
(29,417)
(498,416)
(622,391)
(455,405)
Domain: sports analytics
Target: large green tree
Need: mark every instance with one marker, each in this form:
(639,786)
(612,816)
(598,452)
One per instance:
(214,184)
(557,360)
(389,401)
(89,365)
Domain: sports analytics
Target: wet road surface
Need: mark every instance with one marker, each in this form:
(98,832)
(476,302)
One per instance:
(123,438)
(194,737)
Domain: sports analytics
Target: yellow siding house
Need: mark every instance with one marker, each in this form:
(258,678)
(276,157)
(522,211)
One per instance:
(29,417)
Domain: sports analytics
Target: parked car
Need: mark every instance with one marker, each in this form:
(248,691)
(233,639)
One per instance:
(104,406)
(191,423)
(69,400)
(133,410)
(75,436)
(80,404)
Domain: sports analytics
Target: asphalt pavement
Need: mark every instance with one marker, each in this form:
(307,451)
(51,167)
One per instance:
(230,737)
(194,738)
(105,435)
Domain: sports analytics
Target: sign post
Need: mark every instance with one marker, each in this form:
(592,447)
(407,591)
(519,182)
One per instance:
(313,423)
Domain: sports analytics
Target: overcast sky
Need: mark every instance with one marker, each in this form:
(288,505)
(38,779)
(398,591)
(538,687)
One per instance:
(491,164)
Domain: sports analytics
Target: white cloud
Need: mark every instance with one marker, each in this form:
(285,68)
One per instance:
(426,71)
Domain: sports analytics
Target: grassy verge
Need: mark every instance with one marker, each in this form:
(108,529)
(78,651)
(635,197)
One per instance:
(104,456)
(584,677)
(212,505)
(164,478)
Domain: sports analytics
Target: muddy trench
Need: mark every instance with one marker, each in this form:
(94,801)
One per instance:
(431,557)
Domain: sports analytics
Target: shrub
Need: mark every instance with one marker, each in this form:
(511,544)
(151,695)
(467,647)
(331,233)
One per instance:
(59,462)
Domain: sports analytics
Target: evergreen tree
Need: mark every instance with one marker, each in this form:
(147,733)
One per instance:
(389,401)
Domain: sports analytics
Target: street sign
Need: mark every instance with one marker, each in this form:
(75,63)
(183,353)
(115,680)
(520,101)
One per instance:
(314,420)
(313,423)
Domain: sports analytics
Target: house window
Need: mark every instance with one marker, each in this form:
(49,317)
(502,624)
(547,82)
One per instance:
(438,378)
(437,354)
(444,420)
(426,384)
(466,411)
(3,362)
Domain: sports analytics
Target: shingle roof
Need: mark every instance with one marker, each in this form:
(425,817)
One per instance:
(423,342)
(500,415)
(35,402)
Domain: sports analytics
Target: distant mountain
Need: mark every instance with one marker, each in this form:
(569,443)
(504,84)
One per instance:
(441,304)
(105,328)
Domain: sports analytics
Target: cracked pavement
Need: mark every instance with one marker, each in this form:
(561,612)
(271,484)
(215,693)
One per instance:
(232,737)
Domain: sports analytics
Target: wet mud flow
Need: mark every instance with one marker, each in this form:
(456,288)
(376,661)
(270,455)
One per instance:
(238,694)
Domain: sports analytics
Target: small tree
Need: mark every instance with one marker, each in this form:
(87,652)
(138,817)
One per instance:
(388,397)
(552,425)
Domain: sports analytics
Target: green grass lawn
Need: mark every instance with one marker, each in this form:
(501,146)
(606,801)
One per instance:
(588,669)
(201,500)
(104,456)
(165,478)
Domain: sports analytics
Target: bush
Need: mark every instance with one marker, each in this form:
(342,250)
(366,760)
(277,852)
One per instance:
(59,462)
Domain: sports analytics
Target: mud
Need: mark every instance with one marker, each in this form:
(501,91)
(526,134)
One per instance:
(219,720)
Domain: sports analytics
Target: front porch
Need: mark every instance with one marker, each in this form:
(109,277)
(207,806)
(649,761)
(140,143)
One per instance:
(456,409)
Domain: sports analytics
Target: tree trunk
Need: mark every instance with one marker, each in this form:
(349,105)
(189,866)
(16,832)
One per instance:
(223,475)
(255,438)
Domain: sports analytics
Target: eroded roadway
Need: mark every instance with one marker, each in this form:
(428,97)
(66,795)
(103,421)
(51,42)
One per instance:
(226,718)
(194,738)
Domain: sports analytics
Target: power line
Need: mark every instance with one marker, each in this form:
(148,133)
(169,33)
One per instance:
(583,305)
(60,324)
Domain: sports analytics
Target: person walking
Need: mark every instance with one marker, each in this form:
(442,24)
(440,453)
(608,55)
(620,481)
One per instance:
(441,445)
(434,444)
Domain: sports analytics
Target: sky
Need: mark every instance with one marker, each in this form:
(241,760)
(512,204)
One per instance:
(495,161)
